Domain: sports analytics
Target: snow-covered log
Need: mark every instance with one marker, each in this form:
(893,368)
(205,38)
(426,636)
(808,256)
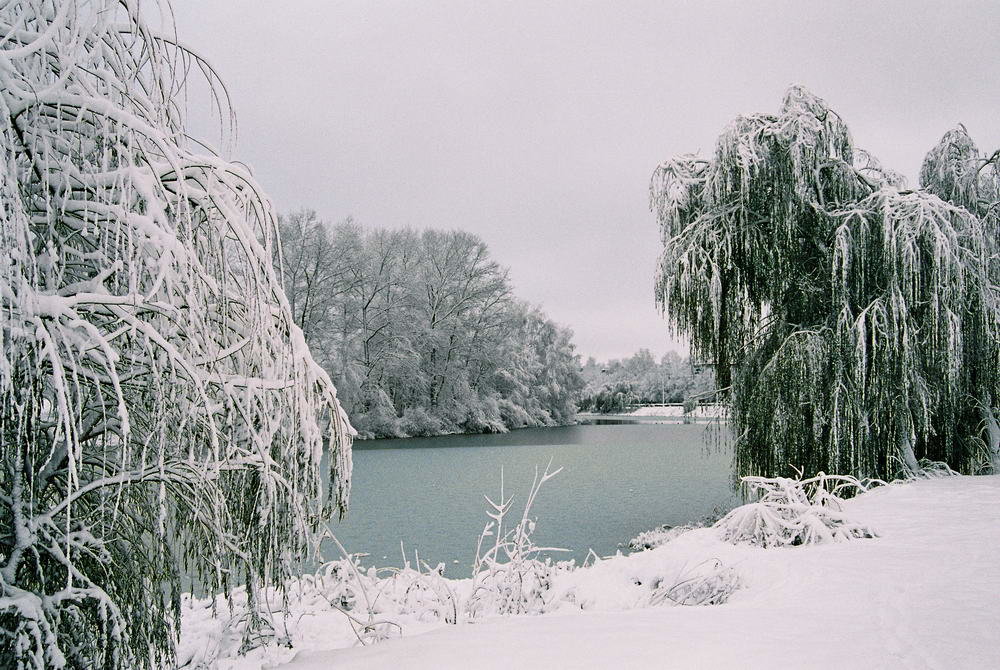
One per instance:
(162,419)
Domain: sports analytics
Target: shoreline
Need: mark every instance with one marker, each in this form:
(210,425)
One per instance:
(704,415)
(860,603)
(369,440)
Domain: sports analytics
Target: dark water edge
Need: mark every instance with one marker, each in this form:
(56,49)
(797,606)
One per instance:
(372,442)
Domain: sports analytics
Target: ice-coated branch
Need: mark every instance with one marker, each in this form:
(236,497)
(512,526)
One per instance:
(855,323)
(160,410)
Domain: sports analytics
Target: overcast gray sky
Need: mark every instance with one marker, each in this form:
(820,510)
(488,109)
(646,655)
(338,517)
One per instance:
(536,125)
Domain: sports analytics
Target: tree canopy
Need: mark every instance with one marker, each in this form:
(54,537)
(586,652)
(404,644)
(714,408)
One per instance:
(421,331)
(615,385)
(854,323)
(162,419)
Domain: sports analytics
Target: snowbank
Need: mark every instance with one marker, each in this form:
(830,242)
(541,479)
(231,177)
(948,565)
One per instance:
(924,594)
(677,411)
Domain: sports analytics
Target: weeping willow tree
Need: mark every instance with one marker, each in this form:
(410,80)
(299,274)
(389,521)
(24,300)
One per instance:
(853,324)
(161,416)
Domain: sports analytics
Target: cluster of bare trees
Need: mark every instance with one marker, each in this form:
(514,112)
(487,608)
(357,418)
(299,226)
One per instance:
(421,332)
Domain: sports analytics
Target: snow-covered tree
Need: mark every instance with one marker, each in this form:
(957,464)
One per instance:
(854,323)
(162,420)
(422,332)
(612,386)
(314,270)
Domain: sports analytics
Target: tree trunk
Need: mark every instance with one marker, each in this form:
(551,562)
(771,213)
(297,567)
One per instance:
(906,454)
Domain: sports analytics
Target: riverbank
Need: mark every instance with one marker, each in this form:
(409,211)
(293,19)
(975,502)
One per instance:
(657,414)
(648,475)
(922,594)
(439,431)
(665,414)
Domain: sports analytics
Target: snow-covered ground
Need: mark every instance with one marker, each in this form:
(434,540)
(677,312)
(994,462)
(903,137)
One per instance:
(661,414)
(700,412)
(924,594)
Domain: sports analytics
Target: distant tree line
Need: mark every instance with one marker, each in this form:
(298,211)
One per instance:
(421,332)
(618,384)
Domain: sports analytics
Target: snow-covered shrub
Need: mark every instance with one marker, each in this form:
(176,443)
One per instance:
(708,583)
(214,630)
(418,422)
(794,511)
(422,593)
(929,470)
(483,416)
(233,628)
(513,415)
(509,577)
(540,416)
(380,420)
(511,587)
(160,413)
(657,537)
(343,583)
(368,601)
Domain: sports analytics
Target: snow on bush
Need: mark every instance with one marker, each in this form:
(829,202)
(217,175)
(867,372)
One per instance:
(372,599)
(794,511)
(657,537)
(345,603)
(367,604)
(709,583)
(380,419)
(508,577)
(931,470)
(418,422)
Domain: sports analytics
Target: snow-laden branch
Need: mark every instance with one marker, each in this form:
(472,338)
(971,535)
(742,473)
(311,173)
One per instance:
(159,407)
(855,323)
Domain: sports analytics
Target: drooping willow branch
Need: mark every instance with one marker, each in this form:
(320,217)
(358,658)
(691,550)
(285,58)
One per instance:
(163,421)
(856,322)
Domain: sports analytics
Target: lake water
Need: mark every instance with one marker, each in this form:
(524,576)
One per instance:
(617,481)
